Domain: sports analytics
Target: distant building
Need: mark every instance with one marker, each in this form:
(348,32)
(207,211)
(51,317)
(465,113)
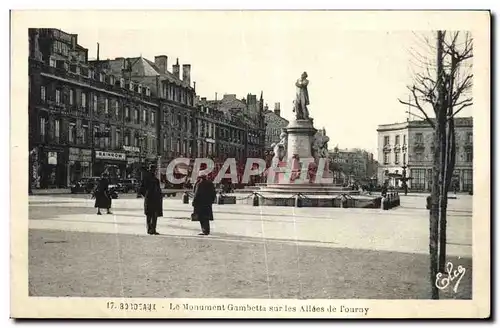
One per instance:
(356,164)
(246,132)
(410,145)
(321,132)
(274,125)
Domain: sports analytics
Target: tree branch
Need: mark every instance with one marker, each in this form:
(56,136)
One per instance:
(420,107)
(468,100)
(458,110)
(463,86)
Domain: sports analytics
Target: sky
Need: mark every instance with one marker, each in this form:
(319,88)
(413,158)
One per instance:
(355,76)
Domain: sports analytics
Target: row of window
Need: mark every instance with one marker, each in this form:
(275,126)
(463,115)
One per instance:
(418,157)
(423,177)
(203,147)
(209,130)
(84,138)
(397,158)
(148,143)
(419,139)
(62,48)
(387,140)
(137,118)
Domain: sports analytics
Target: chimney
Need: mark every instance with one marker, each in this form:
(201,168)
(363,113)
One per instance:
(194,86)
(186,73)
(176,68)
(161,63)
(277,110)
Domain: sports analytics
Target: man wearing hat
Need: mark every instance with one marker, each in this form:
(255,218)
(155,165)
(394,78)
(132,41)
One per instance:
(204,197)
(153,199)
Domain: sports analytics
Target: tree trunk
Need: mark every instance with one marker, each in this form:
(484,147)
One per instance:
(448,164)
(447,175)
(434,212)
(436,172)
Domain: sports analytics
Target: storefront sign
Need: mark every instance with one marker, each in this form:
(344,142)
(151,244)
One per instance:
(52,158)
(131,160)
(110,155)
(131,149)
(80,155)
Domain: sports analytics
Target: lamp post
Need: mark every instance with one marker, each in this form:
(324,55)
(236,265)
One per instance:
(404,178)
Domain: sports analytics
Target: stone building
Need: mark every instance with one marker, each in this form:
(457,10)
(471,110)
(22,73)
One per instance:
(242,132)
(177,130)
(274,125)
(88,116)
(82,118)
(355,164)
(409,146)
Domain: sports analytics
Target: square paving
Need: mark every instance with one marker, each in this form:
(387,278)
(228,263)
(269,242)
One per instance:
(254,252)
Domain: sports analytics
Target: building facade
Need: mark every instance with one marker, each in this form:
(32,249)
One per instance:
(355,164)
(274,124)
(246,114)
(82,118)
(409,147)
(121,114)
(177,130)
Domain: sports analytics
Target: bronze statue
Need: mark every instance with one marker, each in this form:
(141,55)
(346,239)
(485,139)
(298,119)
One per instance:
(302,98)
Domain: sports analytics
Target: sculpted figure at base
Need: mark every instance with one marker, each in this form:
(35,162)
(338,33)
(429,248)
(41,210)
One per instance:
(319,147)
(279,148)
(301,98)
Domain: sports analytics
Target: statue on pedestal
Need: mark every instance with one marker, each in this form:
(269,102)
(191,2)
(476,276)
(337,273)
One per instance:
(301,98)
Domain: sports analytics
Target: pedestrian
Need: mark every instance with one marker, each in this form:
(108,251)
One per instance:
(405,188)
(384,190)
(153,199)
(102,195)
(204,197)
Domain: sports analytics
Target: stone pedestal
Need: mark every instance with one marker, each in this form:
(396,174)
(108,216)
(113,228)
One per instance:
(300,134)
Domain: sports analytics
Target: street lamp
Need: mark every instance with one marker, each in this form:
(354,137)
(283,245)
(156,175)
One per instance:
(404,178)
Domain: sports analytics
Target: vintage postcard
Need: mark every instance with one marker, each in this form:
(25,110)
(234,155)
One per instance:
(250,164)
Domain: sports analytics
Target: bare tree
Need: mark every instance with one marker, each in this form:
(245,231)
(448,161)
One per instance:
(445,86)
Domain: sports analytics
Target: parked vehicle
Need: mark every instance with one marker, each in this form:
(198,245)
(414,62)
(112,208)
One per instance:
(84,185)
(127,185)
(113,189)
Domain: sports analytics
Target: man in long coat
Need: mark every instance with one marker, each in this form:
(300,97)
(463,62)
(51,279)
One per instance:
(102,196)
(204,197)
(153,199)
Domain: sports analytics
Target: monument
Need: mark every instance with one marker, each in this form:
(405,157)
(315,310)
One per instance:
(300,145)
(299,141)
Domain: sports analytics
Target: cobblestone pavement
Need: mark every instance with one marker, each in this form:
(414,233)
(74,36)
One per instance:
(254,252)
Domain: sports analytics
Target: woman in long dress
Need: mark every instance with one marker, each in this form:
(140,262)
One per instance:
(102,196)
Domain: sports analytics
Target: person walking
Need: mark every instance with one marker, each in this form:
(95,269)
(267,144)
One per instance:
(102,196)
(204,197)
(384,190)
(153,199)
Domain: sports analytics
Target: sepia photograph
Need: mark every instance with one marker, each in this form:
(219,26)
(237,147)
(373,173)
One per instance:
(258,164)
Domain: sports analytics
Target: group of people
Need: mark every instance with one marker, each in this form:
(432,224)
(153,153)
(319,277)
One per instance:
(150,190)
